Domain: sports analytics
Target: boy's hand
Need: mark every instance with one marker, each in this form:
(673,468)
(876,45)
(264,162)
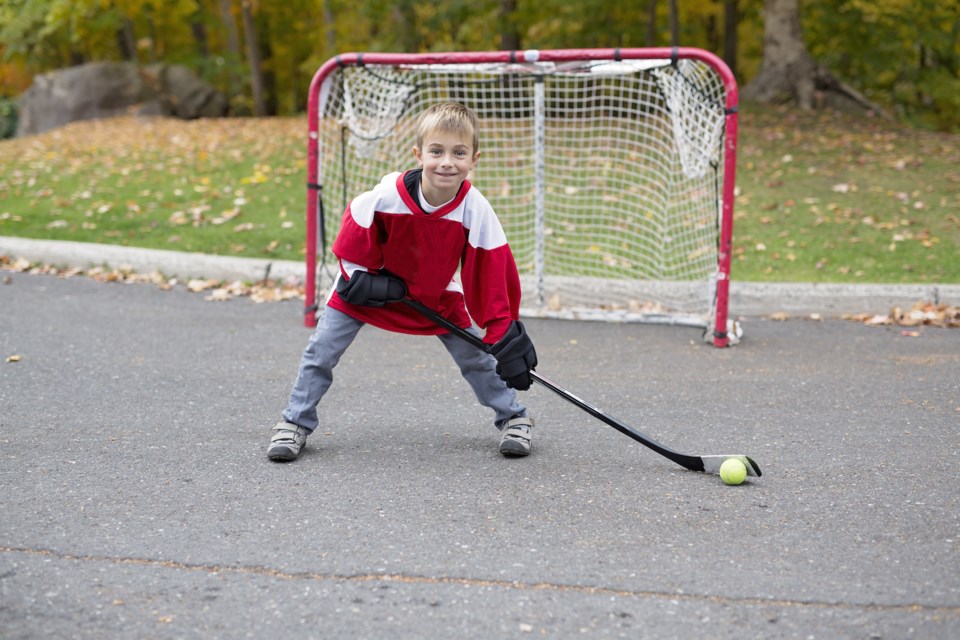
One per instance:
(515,356)
(371,289)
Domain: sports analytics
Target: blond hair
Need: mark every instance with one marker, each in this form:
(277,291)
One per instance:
(450,117)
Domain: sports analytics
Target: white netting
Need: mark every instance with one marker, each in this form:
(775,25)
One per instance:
(372,105)
(629,219)
(697,114)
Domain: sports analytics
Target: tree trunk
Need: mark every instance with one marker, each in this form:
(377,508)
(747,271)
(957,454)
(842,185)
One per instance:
(788,74)
(674,24)
(270,97)
(787,71)
(652,23)
(152,29)
(405,15)
(731,24)
(509,35)
(234,56)
(199,31)
(330,30)
(233,38)
(711,30)
(253,59)
(127,41)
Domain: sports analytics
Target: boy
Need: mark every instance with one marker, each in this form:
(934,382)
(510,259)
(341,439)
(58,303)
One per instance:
(409,235)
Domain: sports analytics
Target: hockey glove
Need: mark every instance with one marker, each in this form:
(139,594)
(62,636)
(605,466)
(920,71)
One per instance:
(515,356)
(371,289)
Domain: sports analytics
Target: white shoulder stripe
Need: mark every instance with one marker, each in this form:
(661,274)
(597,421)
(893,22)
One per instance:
(383,198)
(480,218)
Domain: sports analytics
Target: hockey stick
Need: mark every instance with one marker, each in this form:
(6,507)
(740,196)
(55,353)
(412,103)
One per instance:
(707,464)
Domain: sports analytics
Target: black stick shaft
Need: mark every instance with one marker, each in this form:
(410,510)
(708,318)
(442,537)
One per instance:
(694,463)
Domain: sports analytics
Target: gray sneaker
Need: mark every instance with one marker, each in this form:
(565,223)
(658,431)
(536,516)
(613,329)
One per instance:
(515,441)
(287,442)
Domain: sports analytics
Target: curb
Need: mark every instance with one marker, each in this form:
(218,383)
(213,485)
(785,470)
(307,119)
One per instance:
(834,300)
(171,263)
(746,298)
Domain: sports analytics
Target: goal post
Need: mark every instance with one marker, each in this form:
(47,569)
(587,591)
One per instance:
(611,170)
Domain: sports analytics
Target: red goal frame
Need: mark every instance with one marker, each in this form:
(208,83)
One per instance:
(720,336)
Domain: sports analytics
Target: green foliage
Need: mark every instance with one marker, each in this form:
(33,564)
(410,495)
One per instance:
(21,23)
(938,92)
(904,54)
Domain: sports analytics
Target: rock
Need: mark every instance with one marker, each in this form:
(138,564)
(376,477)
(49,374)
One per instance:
(184,95)
(107,89)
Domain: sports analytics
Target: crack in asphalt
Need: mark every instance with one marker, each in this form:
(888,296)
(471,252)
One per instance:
(400,578)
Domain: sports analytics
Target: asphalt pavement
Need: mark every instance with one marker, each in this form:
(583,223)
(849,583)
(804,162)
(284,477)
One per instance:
(136,500)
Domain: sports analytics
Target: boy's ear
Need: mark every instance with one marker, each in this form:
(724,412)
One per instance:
(418,155)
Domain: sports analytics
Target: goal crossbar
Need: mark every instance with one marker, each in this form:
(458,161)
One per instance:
(612,170)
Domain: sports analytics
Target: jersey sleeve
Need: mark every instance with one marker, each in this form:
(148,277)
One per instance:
(491,283)
(359,239)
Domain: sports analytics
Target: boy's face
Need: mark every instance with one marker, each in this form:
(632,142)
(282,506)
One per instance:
(446,159)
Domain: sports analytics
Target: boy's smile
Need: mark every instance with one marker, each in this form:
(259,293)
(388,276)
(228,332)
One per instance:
(447,160)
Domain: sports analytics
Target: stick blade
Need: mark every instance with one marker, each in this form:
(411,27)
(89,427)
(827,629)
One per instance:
(711,464)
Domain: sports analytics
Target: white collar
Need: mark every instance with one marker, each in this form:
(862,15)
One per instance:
(426,206)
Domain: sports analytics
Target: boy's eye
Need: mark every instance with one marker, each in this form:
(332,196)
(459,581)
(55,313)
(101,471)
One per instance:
(459,153)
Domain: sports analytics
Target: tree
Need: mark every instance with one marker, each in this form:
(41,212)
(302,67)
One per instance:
(789,74)
(254,58)
(731,22)
(903,52)
(509,33)
(233,46)
(329,30)
(652,23)
(199,30)
(127,41)
(407,32)
(674,24)
(787,71)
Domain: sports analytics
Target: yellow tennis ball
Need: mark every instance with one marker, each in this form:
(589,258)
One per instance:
(733,472)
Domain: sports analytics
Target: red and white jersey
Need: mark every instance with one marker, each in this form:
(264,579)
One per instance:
(386,228)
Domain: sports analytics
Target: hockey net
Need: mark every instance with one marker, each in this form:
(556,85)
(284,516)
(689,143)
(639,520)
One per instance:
(610,170)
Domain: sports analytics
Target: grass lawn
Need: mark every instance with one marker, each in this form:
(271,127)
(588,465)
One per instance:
(821,196)
(228,187)
(836,198)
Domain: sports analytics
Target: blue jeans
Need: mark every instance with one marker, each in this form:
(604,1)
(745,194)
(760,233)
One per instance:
(336,331)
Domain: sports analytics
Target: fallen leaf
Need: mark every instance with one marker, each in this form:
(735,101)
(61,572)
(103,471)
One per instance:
(13,358)
(219,295)
(920,314)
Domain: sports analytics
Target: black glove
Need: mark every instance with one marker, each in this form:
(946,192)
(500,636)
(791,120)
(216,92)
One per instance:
(516,357)
(371,289)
